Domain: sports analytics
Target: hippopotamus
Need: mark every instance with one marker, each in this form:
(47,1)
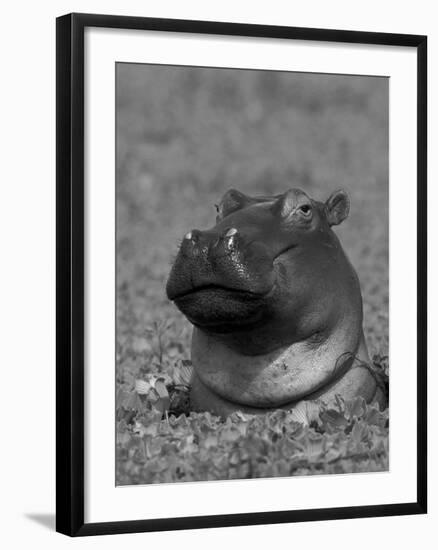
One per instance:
(275,304)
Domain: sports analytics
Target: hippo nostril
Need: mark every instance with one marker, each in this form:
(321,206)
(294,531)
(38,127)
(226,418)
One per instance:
(230,238)
(190,244)
(230,244)
(192,236)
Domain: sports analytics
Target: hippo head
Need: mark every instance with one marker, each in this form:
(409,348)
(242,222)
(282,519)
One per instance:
(267,274)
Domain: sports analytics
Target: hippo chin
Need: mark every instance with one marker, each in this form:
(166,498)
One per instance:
(276,306)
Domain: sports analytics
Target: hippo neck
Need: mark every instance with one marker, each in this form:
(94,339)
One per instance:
(286,375)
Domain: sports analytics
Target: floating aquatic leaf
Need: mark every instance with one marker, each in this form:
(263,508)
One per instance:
(132,401)
(355,408)
(161,401)
(299,413)
(183,374)
(142,387)
(334,418)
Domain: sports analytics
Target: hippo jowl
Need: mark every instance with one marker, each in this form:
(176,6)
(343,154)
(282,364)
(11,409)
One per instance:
(275,304)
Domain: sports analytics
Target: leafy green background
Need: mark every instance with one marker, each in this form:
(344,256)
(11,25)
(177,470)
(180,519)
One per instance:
(184,136)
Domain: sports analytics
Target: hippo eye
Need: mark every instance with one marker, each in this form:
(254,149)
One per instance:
(305,209)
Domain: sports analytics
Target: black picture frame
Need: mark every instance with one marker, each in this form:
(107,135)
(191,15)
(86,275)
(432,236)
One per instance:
(70,273)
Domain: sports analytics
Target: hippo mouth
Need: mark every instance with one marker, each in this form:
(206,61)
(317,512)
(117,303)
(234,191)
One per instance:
(218,289)
(221,309)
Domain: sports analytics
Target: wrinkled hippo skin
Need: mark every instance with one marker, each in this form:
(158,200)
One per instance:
(275,304)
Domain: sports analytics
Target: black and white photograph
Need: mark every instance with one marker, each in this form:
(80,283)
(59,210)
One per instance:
(241,300)
(252,317)
(218,275)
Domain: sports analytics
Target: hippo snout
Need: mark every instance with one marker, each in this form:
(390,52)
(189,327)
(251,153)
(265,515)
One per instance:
(219,276)
(226,260)
(211,244)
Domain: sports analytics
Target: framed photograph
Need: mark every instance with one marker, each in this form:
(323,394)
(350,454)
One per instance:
(241,274)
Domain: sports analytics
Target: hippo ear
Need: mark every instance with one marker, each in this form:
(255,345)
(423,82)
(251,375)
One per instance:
(338,207)
(232,200)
